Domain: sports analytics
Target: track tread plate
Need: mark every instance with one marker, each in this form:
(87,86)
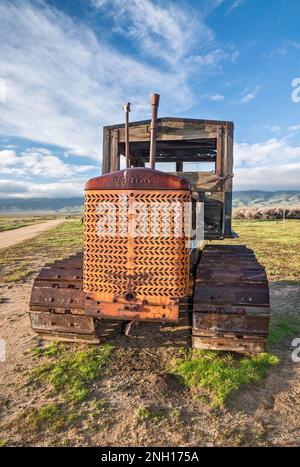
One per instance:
(57,303)
(231,300)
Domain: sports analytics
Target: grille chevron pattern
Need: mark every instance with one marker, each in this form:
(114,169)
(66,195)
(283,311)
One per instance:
(150,265)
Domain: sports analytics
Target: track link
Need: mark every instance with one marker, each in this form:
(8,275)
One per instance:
(230,304)
(57,303)
(231,300)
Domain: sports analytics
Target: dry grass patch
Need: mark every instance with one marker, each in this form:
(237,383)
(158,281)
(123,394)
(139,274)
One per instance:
(18,261)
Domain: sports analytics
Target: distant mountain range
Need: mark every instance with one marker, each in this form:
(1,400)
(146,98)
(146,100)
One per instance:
(253,198)
(41,204)
(257,198)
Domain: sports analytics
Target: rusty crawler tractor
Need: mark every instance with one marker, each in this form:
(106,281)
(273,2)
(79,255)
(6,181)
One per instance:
(148,278)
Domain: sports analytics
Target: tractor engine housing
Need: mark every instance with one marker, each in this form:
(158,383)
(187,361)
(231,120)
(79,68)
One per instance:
(136,251)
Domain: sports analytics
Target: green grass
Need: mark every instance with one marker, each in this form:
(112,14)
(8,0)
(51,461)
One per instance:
(69,374)
(3,443)
(282,326)
(276,248)
(220,373)
(148,413)
(51,350)
(53,417)
(18,261)
(48,416)
(74,371)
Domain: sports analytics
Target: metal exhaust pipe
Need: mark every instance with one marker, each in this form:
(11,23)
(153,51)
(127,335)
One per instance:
(126,108)
(153,130)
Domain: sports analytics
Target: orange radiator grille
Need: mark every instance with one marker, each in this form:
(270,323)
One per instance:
(151,262)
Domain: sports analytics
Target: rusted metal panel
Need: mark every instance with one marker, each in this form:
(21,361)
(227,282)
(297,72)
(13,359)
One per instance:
(231,300)
(131,311)
(136,179)
(57,303)
(231,309)
(152,268)
(204,323)
(74,261)
(244,294)
(61,273)
(52,298)
(135,276)
(246,345)
(50,322)
(232,274)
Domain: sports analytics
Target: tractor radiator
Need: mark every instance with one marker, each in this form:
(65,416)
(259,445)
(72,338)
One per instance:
(135,252)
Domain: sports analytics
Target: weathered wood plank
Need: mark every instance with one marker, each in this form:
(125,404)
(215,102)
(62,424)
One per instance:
(177,130)
(106,152)
(114,151)
(204,181)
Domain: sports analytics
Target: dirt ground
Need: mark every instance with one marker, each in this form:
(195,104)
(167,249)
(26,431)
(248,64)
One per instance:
(11,237)
(264,415)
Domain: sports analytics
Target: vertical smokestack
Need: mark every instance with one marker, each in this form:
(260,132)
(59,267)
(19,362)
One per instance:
(153,130)
(126,108)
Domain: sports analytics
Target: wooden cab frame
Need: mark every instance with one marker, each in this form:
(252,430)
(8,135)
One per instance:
(198,150)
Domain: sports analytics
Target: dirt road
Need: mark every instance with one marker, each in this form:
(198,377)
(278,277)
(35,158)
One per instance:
(11,237)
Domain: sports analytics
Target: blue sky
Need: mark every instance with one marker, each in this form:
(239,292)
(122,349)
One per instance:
(67,67)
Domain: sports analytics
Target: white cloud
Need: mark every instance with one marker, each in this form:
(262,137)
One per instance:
(272,128)
(63,83)
(285,48)
(294,127)
(235,55)
(270,165)
(271,151)
(275,128)
(285,177)
(234,5)
(7,188)
(210,59)
(39,162)
(216,97)
(249,96)
(163,30)
(42,190)
(7,157)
